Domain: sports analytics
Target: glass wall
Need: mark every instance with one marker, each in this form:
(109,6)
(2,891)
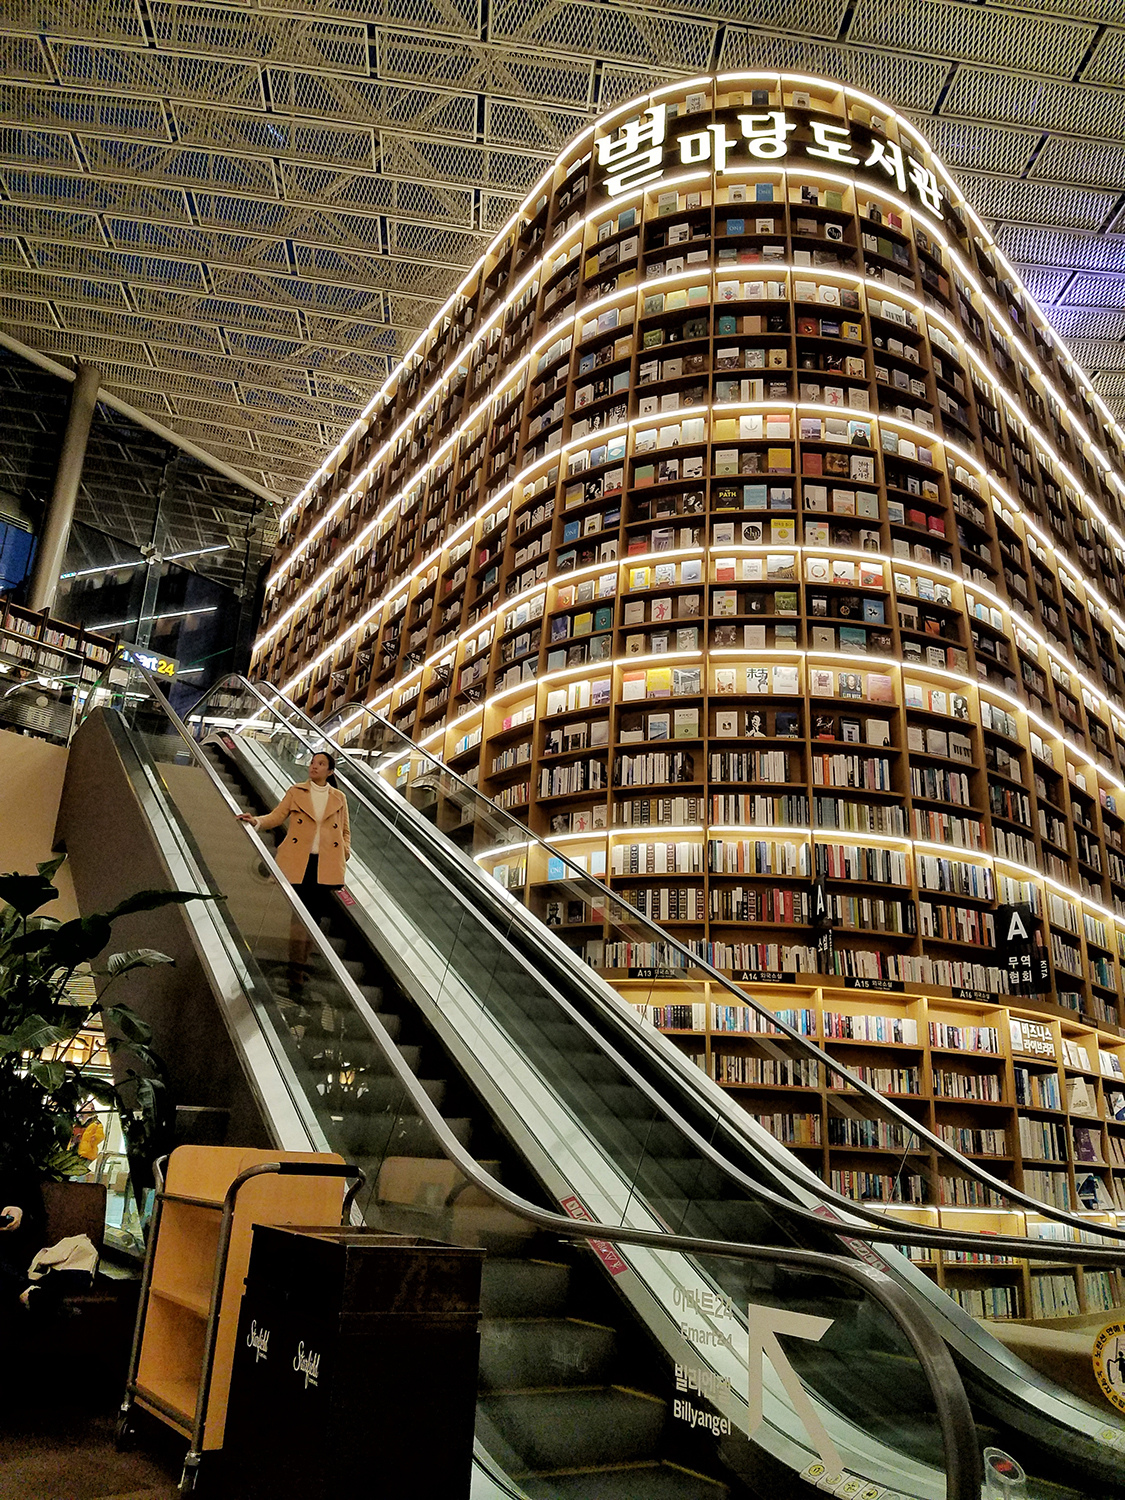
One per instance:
(164,550)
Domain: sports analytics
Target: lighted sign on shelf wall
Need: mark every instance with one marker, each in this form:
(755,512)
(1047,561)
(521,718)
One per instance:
(644,150)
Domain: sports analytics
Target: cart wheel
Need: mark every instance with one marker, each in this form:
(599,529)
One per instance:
(124,1434)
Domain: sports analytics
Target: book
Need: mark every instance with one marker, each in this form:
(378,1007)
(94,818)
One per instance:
(785,602)
(686,723)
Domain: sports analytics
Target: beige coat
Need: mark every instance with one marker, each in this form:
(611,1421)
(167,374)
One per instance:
(335,835)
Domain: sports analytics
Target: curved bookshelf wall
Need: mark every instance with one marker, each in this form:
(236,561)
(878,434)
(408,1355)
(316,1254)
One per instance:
(742,526)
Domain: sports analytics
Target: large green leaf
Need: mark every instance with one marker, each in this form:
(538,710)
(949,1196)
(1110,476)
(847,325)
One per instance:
(85,937)
(98,1088)
(151,900)
(26,893)
(32,1035)
(135,958)
(65,1163)
(79,940)
(127,1022)
(48,867)
(140,1050)
(49,1075)
(35,939)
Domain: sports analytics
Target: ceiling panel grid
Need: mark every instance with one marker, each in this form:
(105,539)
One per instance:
(245,211)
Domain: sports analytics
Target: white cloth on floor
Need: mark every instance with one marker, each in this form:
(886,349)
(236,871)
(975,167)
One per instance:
(76,1253)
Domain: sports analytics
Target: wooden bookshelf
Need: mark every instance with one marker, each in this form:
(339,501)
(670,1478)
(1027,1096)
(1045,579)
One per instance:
(698,535)
(988,1079)
(53,646)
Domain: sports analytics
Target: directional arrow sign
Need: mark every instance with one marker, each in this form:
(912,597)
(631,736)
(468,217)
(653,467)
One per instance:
(764,1324)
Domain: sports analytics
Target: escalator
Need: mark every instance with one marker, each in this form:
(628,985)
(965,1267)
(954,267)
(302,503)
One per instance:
(617,1371)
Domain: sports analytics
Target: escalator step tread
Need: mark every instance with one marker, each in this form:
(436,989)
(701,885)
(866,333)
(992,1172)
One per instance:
(577,1426)
(379,1091)
(651,1481)
(521,1288)
(376,1137)
(518,1353)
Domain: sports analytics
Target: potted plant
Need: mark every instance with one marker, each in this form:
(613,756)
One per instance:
(41,1092)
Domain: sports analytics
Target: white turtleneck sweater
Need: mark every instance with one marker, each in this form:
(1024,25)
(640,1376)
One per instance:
(319,797)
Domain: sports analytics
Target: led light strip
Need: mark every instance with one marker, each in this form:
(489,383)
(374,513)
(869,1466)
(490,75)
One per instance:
(883,109)
(798,833)
(459,356)
(449,541)
(951,851)
(479,411)
(976,586)
(874,419)
(784,268)
(381,700)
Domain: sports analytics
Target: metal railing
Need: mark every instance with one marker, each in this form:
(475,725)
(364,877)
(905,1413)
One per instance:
(882,1226)
(960,1445)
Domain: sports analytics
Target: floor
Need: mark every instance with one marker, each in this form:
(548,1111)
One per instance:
(60,1390)
(66,1452)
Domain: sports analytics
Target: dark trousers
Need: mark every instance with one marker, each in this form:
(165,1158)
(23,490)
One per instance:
(315,897)
(317,901)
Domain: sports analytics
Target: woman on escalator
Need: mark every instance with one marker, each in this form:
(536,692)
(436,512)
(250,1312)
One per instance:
(318,840)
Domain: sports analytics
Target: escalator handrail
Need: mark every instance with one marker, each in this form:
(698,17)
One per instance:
(895,1231)
(893,1228)
(1083,1255)
(188,857)
(960,1444)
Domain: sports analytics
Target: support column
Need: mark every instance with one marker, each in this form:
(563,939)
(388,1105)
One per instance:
(51,550)
(153,555)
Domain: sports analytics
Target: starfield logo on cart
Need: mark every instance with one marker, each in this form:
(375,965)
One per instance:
(258,1339)
(307,1365)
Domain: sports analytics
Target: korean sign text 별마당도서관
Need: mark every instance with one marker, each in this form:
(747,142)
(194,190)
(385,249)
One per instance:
(643,150)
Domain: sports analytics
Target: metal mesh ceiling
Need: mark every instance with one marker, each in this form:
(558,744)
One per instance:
(244,212)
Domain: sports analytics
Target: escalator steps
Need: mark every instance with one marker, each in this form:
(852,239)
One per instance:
(556,1427)
(523,1288)
(631,1482)
(520,1352)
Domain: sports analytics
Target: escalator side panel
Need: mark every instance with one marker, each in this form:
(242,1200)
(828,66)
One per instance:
(388,909)
(113,851)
